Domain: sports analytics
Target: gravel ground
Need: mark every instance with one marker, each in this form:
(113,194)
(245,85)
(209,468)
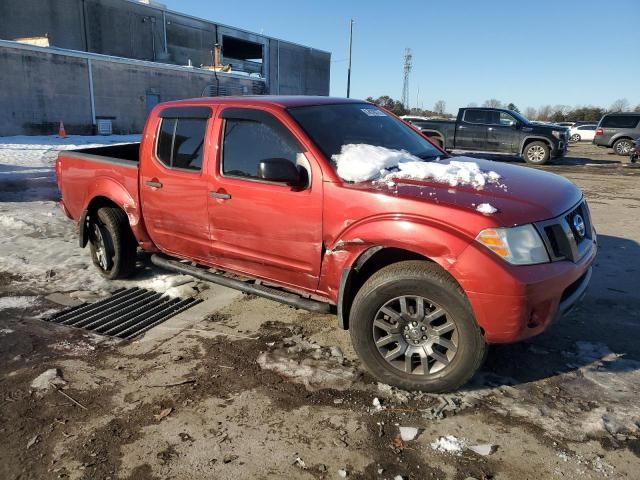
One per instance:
(241,387)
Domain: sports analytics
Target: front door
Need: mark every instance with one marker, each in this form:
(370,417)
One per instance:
(267,229)
(471,131)
(502,133)
(173,187)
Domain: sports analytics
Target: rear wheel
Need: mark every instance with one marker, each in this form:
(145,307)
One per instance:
(112,245)
(537,153)
(623,146)
(412,326)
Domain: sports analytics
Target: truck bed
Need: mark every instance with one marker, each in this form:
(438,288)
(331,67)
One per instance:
(119,154)
(99,171)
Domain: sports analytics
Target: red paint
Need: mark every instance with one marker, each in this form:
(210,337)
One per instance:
(275,233)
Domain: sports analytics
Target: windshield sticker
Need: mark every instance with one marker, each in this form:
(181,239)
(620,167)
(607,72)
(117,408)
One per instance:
(373,112)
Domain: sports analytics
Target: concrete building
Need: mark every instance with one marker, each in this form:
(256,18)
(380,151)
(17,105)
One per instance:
(82,60)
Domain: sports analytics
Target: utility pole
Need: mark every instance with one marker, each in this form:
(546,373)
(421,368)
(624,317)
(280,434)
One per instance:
(349,67)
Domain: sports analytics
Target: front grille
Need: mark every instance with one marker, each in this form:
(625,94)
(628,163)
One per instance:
(563,237)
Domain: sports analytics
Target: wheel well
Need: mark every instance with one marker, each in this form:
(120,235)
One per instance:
(94,205)
(531,140)
(366,265)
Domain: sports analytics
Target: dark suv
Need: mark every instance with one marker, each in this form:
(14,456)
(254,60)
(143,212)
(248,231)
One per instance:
(618,131)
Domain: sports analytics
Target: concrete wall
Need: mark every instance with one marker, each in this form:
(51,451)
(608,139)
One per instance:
(47,87)
(133,30)
(39,89)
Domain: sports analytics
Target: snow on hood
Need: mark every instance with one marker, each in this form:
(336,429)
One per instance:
(361,163)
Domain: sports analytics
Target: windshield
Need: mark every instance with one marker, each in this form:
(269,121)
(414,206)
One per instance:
(520,117)
(333,126)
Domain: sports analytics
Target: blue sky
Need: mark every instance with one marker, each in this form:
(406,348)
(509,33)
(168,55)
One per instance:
(531,53)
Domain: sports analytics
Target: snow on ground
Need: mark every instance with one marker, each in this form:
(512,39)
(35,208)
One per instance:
(37,242)
(361,163)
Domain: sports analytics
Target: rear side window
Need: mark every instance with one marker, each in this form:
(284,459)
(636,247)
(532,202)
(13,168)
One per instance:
(620,121)
(587,127)
(181,142)
(477,116)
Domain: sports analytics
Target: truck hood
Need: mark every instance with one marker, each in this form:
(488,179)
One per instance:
(521,195)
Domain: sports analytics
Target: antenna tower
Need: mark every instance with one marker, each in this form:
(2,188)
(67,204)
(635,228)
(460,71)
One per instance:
(406,69)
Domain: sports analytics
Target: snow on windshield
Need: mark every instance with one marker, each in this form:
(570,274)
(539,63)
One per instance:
(361,163)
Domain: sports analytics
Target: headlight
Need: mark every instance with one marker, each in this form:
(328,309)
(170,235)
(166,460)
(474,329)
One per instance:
(517,245)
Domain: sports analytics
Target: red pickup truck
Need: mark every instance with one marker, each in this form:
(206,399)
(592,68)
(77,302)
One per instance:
(424,271)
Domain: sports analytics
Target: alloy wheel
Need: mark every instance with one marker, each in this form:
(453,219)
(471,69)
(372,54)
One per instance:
(623,148)
(536,153)
(100,247)
(415,335)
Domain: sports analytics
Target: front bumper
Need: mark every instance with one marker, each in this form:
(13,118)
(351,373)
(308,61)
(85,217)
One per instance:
(511,303)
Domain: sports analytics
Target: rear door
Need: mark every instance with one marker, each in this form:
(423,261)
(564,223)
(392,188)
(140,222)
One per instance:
(173,187)
(471,131)
(502,133)
(266,229)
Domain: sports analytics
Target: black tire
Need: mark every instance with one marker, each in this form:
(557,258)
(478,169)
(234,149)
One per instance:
(623,146)
(537,153)
(575,138)
(417,279)
(112,245)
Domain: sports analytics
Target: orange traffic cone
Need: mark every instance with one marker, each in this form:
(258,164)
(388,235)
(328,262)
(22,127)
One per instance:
(61,131)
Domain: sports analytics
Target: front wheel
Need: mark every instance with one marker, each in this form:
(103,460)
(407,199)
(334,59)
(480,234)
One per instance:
(413,328)
(575,138)
(537,153)
(112,245)
(623,146)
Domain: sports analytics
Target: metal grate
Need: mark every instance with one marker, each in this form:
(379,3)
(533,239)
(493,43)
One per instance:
(125,314)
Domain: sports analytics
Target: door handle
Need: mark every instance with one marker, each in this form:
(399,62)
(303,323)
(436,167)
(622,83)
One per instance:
(153,183)
(220,195)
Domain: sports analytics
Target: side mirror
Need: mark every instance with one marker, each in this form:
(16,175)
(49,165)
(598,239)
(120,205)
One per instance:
(279,170)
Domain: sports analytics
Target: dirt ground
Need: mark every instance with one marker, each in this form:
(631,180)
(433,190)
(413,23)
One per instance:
(239,387)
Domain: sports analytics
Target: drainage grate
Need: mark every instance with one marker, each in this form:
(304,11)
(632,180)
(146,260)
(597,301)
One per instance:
(125,314)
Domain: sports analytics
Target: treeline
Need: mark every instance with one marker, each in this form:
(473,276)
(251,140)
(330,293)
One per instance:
(545,113)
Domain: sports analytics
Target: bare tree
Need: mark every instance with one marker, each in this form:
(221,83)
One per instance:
(545,112)
(492,103)
(474,105)
(620,105)
(440,107)
(531,113)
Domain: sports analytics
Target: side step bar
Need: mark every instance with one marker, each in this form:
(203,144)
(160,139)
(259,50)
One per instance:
(259,290)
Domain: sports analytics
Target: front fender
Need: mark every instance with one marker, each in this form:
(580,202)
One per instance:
(435,241)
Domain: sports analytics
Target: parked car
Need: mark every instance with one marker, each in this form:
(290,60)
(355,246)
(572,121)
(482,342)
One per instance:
(423,278)
(500,131)
(617,131)
(582,133)
(566,124)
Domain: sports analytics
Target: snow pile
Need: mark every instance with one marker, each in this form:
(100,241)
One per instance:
(486,208)
(309,364)
(360,163)
(47,379)
(17,302)
(449,444)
